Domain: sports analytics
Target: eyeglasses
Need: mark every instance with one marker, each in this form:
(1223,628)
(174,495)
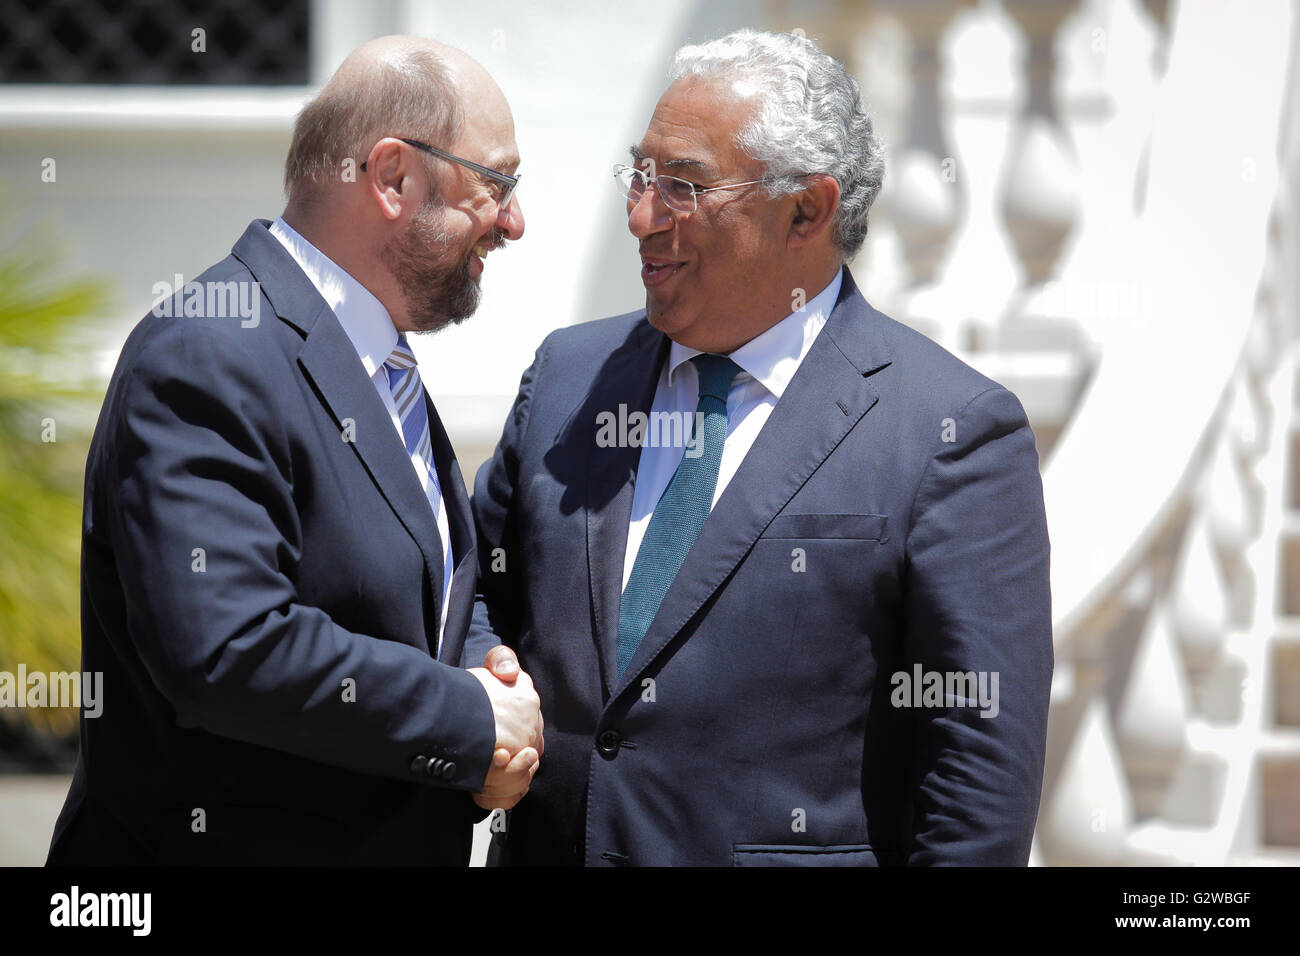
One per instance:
(676,193)
(501,181)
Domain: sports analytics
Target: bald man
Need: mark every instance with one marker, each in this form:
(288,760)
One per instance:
(278,553)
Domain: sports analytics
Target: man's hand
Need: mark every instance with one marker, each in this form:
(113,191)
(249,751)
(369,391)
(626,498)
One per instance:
(519,724)
(508,780)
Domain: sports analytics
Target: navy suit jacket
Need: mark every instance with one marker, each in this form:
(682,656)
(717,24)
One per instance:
(888,517)
(273,697)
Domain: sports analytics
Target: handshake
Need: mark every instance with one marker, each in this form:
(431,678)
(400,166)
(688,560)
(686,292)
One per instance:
(519,743)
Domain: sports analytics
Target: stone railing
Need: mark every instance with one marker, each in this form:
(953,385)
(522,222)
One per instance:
(1084,201)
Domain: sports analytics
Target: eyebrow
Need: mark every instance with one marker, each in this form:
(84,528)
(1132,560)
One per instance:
(500,160)
(699,165)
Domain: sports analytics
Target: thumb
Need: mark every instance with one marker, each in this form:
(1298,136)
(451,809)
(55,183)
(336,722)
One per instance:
(503,663)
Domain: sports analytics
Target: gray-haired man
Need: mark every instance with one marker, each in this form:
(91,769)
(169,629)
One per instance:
(738,649)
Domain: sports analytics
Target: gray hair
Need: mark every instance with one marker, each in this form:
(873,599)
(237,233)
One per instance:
(811,119)
(407,95)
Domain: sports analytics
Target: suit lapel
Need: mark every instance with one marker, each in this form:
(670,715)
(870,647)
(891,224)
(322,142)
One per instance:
(330,363)
(827,397)
(627,381)
(455,499)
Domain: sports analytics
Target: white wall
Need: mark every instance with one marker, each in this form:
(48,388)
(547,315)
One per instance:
(154,182)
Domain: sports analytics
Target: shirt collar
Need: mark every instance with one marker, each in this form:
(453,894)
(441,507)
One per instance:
(773,357)
(362,316)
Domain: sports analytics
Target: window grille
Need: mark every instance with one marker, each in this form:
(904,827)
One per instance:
(246,42)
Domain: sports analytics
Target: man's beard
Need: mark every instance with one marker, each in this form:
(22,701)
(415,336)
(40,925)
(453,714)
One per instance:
(431,272)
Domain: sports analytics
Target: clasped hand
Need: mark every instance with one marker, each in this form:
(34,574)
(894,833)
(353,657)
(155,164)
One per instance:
(519,742)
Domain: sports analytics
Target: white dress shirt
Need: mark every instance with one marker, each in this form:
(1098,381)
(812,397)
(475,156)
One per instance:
(767,363)
(370,327)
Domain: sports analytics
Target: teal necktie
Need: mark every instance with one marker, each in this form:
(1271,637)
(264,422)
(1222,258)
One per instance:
(681,512)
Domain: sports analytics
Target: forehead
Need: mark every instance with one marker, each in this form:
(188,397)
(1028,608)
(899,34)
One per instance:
(694,127)
(488,132)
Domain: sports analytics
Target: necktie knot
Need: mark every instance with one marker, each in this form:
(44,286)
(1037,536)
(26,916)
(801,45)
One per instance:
(401,357)
(408,399)
(716,372)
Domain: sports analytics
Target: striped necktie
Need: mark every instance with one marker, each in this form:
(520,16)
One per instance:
(408,398)
(680,514)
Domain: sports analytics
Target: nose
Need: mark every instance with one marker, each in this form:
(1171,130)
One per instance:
(510,219)
(645,217)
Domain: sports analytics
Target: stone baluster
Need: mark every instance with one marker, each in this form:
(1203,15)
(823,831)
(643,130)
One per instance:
(923,195)
(1040,188)
(1151,713)
(1085,819)
(1198,595)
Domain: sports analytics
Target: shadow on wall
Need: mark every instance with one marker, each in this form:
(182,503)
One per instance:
(613,271)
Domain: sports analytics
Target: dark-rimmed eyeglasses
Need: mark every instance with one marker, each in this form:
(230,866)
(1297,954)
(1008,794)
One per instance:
(676,193)
(504,183)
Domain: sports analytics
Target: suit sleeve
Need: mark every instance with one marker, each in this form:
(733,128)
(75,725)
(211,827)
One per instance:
(500,591)
(978,600)
(206,534)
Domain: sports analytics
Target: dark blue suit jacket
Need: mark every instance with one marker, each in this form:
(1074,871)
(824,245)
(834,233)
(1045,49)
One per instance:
(888,516)
(285,686)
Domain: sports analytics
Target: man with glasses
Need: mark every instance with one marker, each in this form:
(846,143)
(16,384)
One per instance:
(279,556)
(737,635)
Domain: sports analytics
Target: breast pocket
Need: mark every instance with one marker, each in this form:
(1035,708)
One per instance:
(828,576)
(845,526)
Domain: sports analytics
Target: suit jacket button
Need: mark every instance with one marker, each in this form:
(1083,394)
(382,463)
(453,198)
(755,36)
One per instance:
(607,743)
(435,767)
(449,769)
(419,763)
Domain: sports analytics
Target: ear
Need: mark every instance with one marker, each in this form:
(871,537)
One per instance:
(392,179)
(814,210)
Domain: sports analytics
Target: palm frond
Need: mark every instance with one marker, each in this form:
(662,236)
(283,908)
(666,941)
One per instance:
(46,392)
